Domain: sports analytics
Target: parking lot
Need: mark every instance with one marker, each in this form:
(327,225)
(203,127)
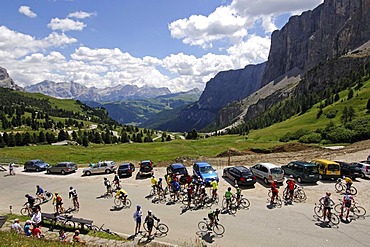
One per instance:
(292,225)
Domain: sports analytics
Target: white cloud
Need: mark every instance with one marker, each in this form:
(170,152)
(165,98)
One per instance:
(26,10)
(66,25)
(81,15)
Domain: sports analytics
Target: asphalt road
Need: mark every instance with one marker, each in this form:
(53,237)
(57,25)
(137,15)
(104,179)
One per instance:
(292,225)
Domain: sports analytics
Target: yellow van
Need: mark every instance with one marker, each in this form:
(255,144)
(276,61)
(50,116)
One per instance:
(327,168)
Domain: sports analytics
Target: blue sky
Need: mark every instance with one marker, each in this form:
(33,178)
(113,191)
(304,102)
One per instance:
(172,43)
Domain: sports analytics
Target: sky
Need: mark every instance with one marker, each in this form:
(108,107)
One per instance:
(176,44)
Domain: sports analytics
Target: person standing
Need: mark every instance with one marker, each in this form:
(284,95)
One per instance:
(149,221)
(37,217)
(137,217)
(73,193)
(11,169)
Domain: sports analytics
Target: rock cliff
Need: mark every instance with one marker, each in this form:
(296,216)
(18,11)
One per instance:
(6,81)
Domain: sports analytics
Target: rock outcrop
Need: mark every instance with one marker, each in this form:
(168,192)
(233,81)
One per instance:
(6,81)
(327,32)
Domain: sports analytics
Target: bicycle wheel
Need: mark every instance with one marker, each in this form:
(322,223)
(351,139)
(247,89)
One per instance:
(338,208)
(218,229)
(117,202)
(353,190)
(37,201)
(208,202)
(202,226)
(25,212)
(338,187)
(278,201)
(318,211)
(162,228)
(359,211)
(224,203)
(128,203)
(269,194)
(48,196)
(233,208)
(95,228)
(334,219)
(69,224)
(244,203)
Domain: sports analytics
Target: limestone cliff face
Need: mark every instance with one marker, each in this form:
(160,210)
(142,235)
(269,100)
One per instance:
(329,31)
(6,81)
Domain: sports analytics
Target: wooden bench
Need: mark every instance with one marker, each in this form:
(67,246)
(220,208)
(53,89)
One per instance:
(53,218)
(3,220)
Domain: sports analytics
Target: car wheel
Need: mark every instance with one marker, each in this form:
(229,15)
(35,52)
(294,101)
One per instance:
(363,175)
(107,171)
(87,173)
(48,171)
(63,172)
(299,179)
(265,181)
(37,169)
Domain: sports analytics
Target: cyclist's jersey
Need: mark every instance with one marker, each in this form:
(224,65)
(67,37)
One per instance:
(57,199)
(121,192)
(291,185)
(31,200)
(347,199)
(159,184)
(107,183)
(154,181)
(169,179)
(211,215)
(274,187)
(116,178)
(228,195)
(326,201)
(214,184)
(175,186)
(348,180)
(40,191)
(73,193)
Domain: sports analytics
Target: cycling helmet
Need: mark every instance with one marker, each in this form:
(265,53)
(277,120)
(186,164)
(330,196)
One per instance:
(119,187)
(138,207)
(71,188)
(236,186)
(328,193)
(202,187)
(229,188)
(213,179)
(149,211)
(275,181)
(160,179)
(217,210)
(105,178)
(26,195)
(56,193)
(291,176)
(153,176)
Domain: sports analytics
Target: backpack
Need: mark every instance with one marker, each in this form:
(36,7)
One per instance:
(150,220)
(59,199)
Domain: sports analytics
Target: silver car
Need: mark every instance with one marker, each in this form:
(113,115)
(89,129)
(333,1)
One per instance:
(268,172)
(62,168)
(100,167)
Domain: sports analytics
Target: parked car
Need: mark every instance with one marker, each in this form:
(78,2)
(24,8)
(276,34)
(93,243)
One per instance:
(178,169)
(125,169)
(240,175)
(100,167)
(302,171)
(351,170)
(35,165)
(268,172)
(205,171)
(62,168)
(146,168)
(327,169)
(365,168)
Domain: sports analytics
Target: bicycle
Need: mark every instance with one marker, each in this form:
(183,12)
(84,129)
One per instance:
(122,202)
(333,218)
(27,210)
(217,228)
(159,227)
(298,196)
(341,187)
(65,221)
(95,228)
(232,207)
(244,203)
(356,210)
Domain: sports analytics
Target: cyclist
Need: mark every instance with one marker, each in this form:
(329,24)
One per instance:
(169,180)
(40,192)
(30,201)
(160,187)
(107,185)
(73,193)
(214,185)
(349,183)
(175,186)
(228,196)
(189,191)
(238,194)
(326,202)
(202,194)
(213,217)
(149,221)
(11,169)
(274,190)
(58,201)
(116,181)
(291,186)
(154,183)
(121,194)
(346,203)
(137,217)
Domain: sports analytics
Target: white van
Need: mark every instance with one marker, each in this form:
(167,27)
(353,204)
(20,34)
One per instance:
(268,172)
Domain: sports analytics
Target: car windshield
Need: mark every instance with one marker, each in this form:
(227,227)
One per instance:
(333,167)
(180,170)
(124,166)
(277,171)
(311,169)
(246,174)
(206,169)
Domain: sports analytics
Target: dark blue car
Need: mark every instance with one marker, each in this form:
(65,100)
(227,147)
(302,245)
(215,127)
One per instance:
(36,165)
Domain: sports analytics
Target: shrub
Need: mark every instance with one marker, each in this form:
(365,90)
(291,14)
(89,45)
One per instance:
(331,114)
(311,138)
(340,135)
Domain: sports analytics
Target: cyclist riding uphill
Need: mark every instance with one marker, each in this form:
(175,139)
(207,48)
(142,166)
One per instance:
(349,183)
(327,203)
(274,190)
(30,200)
(149,221)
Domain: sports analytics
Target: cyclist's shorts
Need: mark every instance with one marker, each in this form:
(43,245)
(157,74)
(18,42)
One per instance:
(291,192)
(274,193)
(347,204)
(149,226)
(237,196)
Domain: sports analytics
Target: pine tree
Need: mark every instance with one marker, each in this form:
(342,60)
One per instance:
(368,106)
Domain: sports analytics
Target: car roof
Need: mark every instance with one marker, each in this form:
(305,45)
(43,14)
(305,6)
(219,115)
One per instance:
(303,163)
(240,168)
(269,165)
(125,164)
(202,164)
(325,161)
(177,166)
(66,162)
